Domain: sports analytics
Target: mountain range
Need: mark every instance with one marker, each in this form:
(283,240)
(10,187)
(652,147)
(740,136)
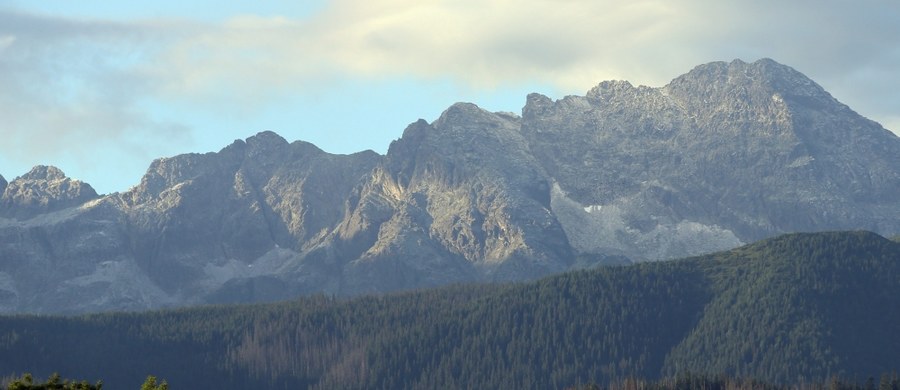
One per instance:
(724,155)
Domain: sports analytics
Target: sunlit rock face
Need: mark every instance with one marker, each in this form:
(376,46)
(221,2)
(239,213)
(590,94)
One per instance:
(726,154)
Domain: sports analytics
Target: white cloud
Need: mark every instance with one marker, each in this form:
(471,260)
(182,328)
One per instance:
(69,83)
(573,44)
(6,41)
(73,80)
(849,48)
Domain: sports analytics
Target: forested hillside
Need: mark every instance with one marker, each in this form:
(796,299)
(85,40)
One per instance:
(800,307)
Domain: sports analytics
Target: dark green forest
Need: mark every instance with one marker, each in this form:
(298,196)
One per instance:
(56,382)
(685,381)
(799,308)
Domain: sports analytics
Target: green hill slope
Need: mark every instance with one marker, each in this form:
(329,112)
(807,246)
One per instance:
(796,307)
(799,306)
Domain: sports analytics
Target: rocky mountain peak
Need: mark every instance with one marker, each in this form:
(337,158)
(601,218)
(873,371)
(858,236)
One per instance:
(758,81)
(413,135)
(258,154)
(536,105)
(41,190)
(43,172)
(537,100)
(782,78)
(462,115)
(461,132)
(165,173)
(3,184)
(266,140)
(467,131)
(466,122)
(263,143)
(414,129)
(610,87)
(265,151)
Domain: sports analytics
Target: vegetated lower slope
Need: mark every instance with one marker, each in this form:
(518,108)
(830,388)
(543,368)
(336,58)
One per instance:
(796,307)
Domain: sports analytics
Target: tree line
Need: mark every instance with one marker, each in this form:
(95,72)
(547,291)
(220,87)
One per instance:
(795,309)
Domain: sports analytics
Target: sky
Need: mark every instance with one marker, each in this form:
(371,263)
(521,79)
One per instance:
(101,88)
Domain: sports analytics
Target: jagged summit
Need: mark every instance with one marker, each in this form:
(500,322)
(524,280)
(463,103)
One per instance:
(266,141)
(609,88)
(43,172)
(462,108)
(3,184)
(43,189)
(706,84)
(758,82)
(258,155)
(467,116)
(267,136)
(763,71)
(272,144)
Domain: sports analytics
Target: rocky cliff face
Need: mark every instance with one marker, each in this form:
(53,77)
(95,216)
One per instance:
(726,154)
(464,197)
